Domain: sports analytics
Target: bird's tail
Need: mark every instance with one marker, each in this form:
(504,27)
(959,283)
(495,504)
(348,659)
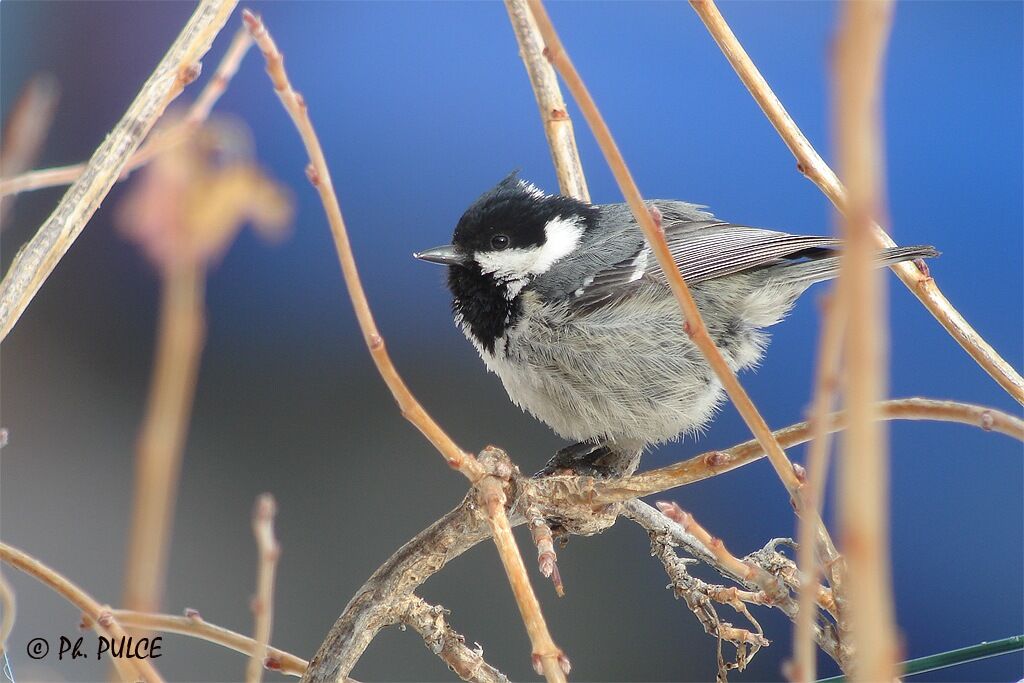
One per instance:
(827,267)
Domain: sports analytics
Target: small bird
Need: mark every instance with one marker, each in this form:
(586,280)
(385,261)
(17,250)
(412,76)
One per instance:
(567,305)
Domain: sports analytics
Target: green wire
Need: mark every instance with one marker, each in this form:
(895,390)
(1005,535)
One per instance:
(953,657)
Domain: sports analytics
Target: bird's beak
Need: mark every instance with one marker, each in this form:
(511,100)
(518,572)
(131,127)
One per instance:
(447,255)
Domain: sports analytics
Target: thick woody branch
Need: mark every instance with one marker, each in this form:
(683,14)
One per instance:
(100,616)
(553,112)
(810,163)
(441,639)
(179,67)
(584,506)
(551,659)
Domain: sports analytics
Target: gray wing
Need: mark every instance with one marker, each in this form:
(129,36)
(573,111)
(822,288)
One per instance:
(703,250)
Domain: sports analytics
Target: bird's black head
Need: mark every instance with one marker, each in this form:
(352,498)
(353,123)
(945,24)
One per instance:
(513,233)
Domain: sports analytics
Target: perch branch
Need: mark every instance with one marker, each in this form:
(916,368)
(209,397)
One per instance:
(810,163)
(263,601)
(442,640)
(650,223)
(101,617)
(26,130)
(179,67)
(864,476)
(197,113)
(713,463)
(553,112)
(193,626)
(573,501)
(804,668)
(544,650)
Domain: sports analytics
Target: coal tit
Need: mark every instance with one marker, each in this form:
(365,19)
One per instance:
(566,304)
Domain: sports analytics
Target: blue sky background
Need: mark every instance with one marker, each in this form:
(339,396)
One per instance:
(421,107)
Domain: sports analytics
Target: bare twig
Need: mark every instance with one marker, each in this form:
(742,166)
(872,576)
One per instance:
(180,334)
(320,177)
(864,481)
(804,658)
(179,67)
(161,140)
(544,650)
(442,640)
(263,601)
(810,163)
(548,659)
(26,130)
(649,220)
(547,560)
(9,608)
(193,625)
(553,112)
(713,463)
(102,620)
(746,571)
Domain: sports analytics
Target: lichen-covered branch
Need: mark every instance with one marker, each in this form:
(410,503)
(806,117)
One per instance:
(441,639)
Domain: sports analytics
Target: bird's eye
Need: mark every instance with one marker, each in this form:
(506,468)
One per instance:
(499,242)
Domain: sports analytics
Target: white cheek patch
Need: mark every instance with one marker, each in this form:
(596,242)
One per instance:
(561,237)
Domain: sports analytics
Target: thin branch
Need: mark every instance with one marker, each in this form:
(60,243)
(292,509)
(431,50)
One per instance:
(864,477)
(804,667)
(161,140)
(161,443)
(320,177)
(713,463)
(553,112)
(442,640)
(9,608)
(26,130)
(544,649)
(649,219)
(102,619)
(548,659)
(263,601)
(179,67)
(193,626)
(810,163)
(747,572)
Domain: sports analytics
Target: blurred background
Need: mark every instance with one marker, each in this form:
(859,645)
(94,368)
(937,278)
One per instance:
(421,107)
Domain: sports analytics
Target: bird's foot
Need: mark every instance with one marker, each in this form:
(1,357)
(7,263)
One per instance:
(583,458)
